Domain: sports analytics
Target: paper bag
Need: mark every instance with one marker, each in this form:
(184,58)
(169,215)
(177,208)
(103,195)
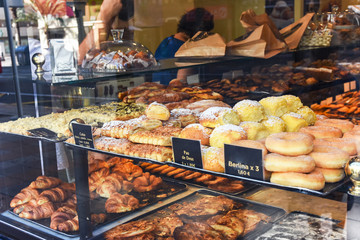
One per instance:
(203,44)
(292,34)
(260,43)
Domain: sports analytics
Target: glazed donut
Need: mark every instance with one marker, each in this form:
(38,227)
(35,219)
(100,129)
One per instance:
(322,131)
(289,143)
(279,163)
(329,157)
(344,125)
(355,135)
(196,132)
(314,180)
(226,134)
(332,175)
(346,144)
(251,144)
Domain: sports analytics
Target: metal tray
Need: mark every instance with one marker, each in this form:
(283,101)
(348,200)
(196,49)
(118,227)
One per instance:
(300,225)
(170,188)
(273,212)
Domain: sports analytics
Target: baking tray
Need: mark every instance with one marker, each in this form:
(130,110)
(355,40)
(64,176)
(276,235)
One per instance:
(169,188)
(273,212)
(300,225)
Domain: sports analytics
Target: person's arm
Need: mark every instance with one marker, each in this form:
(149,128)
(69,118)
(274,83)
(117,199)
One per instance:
(108,11)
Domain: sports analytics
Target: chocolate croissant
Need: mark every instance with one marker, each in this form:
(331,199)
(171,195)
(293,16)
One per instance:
(24,196)
(44,182)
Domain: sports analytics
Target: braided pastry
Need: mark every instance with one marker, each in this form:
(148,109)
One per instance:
(112,144)
(53,195)
(158,153)
(44,182)
(120,129)
(38,212)
(24,196)
(147,183)
(128,171)
(118,203)
(69,225)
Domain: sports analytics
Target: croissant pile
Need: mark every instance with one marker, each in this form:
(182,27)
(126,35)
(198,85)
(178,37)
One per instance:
(205,218)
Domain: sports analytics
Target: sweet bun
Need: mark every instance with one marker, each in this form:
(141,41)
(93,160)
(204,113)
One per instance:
(274,124)
(250,110)
(186,116)
(332,175)
(307,114)
(293,102)
(197,132)
(213,159)
(226,134)
(202,105)
(216,116)
(254,130)
(293,122)
(274,106)
(157,111)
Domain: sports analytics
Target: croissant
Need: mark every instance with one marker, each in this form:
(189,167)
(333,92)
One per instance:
(113,183)
(59,217)
(147,183)
(98,164)
(43,182)
(128,171)
(39,212)
(69,225)
(118,203)
(98,218)
(70,187)
(53,195)
(97,177)
(71,201)
(25,207)
(116,161)
(24,196)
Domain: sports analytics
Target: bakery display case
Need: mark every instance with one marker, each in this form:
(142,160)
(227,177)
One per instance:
(242,148)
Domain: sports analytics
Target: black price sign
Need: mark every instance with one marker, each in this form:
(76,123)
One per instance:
(243,161)
(187,152)
(83,135)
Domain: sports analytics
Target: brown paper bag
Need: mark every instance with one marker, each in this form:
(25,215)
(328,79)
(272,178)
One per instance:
(292,34)
(260,43)
(203,44)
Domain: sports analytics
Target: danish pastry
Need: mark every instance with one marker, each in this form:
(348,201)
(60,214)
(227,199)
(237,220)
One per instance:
(250,110)
(160,136)
(254,130)
(274,106)
(293,103)
(274,124)
(157,111)
(293,122)
(307,114)
(186,116)
(216,116)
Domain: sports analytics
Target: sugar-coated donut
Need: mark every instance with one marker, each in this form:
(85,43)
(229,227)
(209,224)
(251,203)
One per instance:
(314,180)
(355,135)
(213,159)
(254,130)
(274,106)
(346,144)
(344,125)
(321,117)
(274,124)
(289,143)
(196,131)
(307,114)
(249,110)
(216,116)
(329,157)
(293,102)
(322,131)
(226,134)
(251,144)
(279,163)
(332,175)
(356,127)
(157,111)
(293,121)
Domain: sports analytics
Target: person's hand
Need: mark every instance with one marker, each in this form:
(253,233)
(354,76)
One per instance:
(108,11)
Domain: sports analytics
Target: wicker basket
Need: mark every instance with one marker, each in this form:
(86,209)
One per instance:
(322,39)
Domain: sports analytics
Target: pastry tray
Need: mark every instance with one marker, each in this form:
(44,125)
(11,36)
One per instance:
(300,225)
(55,140)
(329,187)
(273,212)
(169,188)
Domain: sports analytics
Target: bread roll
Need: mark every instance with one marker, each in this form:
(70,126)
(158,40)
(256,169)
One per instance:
(274,106)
